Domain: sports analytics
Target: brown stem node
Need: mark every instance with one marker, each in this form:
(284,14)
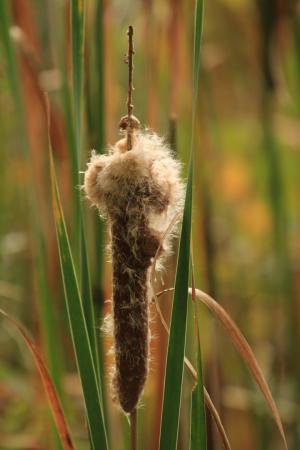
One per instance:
(129,122)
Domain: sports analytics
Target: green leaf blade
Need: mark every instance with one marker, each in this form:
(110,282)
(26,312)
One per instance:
(198,27)
(176,347)
(177,338)
(78,327)
(88,306)
(78,20)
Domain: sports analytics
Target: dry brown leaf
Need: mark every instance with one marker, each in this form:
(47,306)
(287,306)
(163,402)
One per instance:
(50,390)
(208,401)
(242,346)
(215,415)
(246,353)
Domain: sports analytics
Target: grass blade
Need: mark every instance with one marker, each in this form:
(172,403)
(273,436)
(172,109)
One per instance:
(97,123)
(72,146)
(246,353)
(79,332)
(198,25)
(88,306)
(77,19)
(176,347)
(177,338)
(50,391)
(48,329)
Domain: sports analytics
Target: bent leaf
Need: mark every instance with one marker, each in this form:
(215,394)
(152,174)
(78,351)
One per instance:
(198,423)
(50,390)
(177,337)
(246,353)
(198,439)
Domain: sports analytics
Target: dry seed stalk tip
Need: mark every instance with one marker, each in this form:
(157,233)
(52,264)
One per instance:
(129,123)
(139,192)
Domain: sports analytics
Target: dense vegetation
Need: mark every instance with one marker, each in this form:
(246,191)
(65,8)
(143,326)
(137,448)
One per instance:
(230,112)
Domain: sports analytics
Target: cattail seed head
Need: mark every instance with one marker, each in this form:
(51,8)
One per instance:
(139,192)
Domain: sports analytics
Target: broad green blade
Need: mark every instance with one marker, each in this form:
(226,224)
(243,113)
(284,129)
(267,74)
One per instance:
(77,18)
(176,347)
(97,130)
(72,146)
(99,121)
(198,26)
(88,306)
(198,423)
(48,328)
(78,327)
(78,22)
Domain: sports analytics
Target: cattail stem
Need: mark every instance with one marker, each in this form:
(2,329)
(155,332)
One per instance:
(133,429)
(129,123)
(129,61)
(130,70)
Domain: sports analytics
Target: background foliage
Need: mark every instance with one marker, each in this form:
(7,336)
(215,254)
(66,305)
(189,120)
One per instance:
(245,202)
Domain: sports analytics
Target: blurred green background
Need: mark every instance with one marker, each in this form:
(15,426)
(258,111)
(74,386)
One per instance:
(246,227)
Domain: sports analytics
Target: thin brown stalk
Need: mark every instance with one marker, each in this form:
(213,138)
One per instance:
(129,123)
(129,61)
(215,415)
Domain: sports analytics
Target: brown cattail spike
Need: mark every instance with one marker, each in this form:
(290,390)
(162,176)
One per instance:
(140,192)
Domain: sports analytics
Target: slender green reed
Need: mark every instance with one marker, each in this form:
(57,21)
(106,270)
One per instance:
(78,24)
(177,338)
(78,325)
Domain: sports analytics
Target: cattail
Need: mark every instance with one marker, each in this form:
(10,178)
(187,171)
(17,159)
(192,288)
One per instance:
(139,192)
